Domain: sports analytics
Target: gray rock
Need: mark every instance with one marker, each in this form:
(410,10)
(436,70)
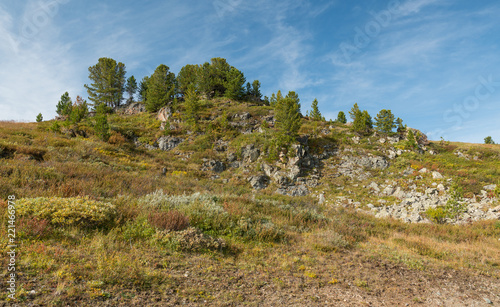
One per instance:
(214,166)
(321,199)
(441,187)
(298,190)
(164,113)
(388,191)
(490,187)
(437,175)
(168,142)
(231,157)
(374,187)
(250,153)
(356,139)
(294,173)
(399,193)
(423,171)
(259,182)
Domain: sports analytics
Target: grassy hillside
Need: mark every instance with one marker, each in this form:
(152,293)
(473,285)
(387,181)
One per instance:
(117,224)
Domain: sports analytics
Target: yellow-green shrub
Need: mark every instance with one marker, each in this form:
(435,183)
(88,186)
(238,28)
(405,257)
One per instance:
(67,211)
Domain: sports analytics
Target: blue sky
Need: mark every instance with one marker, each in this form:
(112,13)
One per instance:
(435,64)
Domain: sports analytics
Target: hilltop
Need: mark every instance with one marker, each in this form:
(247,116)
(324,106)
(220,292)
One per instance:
(164,213)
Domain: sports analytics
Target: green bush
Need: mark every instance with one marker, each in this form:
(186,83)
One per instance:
(67,211)
(437,214)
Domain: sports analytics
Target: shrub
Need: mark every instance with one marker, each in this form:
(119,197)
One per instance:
(67,211)
(437,214)
(171,220)
(116,138)
(33,228)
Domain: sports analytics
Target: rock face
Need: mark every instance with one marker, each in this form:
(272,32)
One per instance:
(134,108)
(259,182)
(214,166)
(164,113)
(168,142)
(249,153)
(296,190)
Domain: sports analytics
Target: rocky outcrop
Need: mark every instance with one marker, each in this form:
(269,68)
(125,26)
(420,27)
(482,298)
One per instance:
(295,190)
(133,108)
(259,182)
(168,142)
(213,166)
(164,114)
(249,153)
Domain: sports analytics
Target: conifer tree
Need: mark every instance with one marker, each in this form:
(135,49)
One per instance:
(143,88)
(191,106)
(234,84)
(108,82)
(341,118)
(160,88)
(101,126)
(79,111)
(39,118)
(288,117)
(315,113)
(64,105)
(354,111)
(384,121)
(131,88)
(488,140)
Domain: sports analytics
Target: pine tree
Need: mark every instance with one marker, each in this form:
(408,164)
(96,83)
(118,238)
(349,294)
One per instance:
(143,88)
(234,84)
(256,90)
(188,76)
(385,121)
(64,105)
(315,113)
(79,111)
(341,118)
(39,118)
(362,122)
(108,85)
(101,126)
(354,111)
(488,140)
(160,88)
(288,117)
(191,106)
(410,140)
(131,88)
(400,126)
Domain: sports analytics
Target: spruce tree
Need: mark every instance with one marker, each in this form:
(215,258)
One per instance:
(39,118)
(315,113)
(188,76)
(108,82)
(143,88)
(256,90)
(79,111)
(234,84)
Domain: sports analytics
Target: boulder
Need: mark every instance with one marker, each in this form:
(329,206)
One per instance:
(249,153)
(168,142)
(297,190)
(490,187)
(259,182)
(437,175)
(135,108)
